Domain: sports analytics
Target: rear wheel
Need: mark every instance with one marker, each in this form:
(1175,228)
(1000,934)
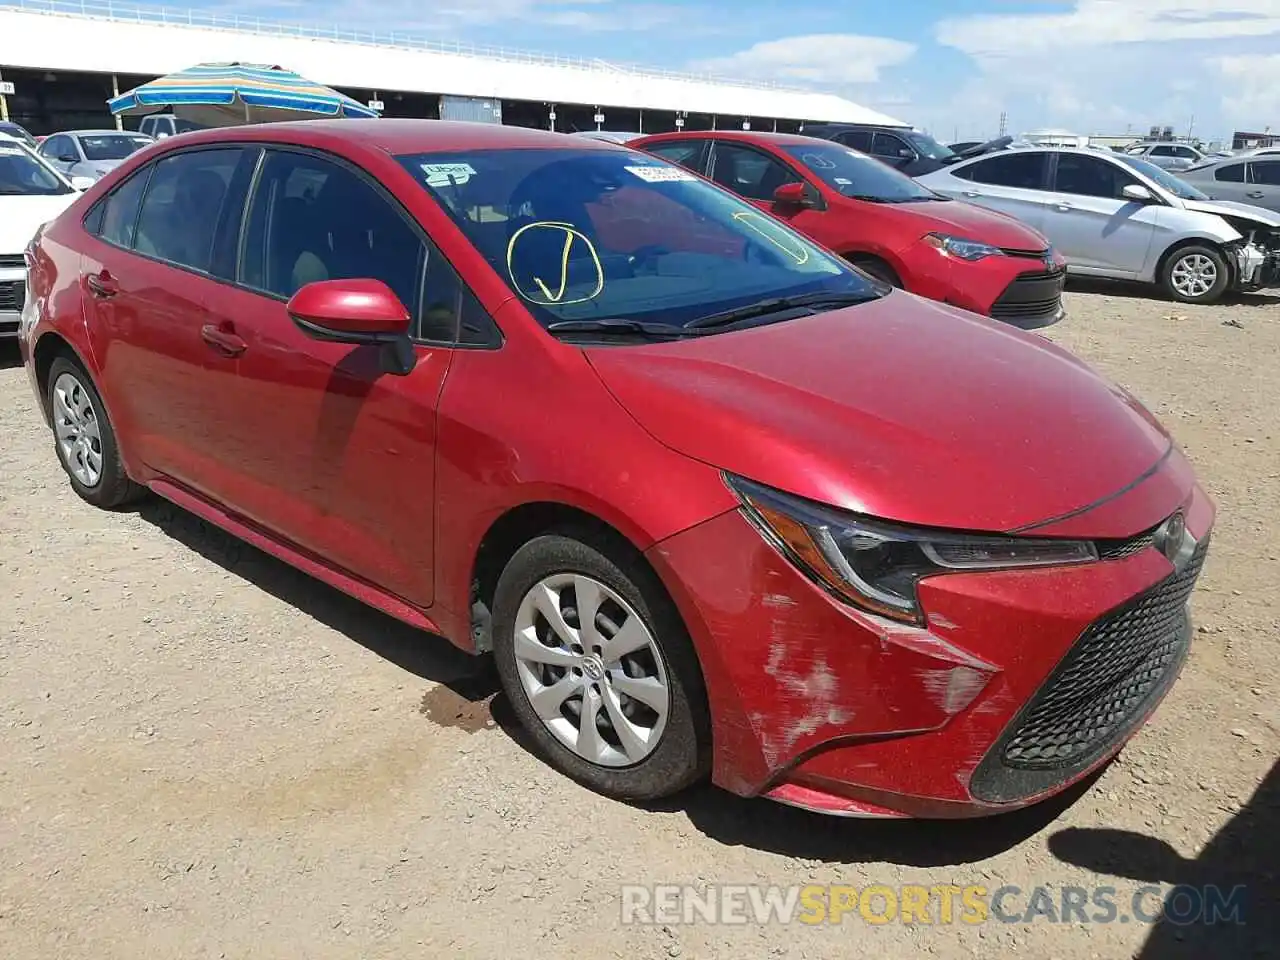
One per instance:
(84,439)
(599,668)
(1195,274)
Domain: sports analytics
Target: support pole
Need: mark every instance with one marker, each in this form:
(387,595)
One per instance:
(115,92)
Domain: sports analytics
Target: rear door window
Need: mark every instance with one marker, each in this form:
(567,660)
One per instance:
(1022,169)
(687,153)
(859,140)
(184,204)
(1231,173)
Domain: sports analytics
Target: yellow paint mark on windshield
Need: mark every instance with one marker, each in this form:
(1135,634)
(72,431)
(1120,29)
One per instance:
(769,230)
(548,296)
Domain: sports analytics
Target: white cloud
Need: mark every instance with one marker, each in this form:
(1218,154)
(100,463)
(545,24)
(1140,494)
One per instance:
(836,59)
(1108,65)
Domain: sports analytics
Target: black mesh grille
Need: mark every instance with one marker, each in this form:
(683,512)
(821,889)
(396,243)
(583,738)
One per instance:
(1108,676)
(11,260)
(1119,549)
(11,295)
(1031,300)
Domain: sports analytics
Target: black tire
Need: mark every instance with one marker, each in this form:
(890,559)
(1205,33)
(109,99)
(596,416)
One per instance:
(113,487)
(878,269)
(683,753)
(1181,255)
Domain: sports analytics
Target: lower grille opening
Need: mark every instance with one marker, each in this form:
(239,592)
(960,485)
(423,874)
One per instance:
(1100,691)
(12,295)
(1032,299)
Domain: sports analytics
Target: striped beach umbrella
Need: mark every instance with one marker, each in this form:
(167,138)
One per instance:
(228,94)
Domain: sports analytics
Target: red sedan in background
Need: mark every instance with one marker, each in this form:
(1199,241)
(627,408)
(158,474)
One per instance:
(715,501)
(883,221)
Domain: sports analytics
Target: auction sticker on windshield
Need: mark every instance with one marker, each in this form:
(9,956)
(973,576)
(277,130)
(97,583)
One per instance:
(448,174)
(661,174)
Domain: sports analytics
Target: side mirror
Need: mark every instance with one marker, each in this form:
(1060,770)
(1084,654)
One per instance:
(792,195)
(363,312)
(1138,193)
(82,183)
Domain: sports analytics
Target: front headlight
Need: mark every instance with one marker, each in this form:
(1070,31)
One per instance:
(961,248)
(876,565)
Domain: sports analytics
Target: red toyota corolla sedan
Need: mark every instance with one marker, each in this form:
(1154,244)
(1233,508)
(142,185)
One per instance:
(883,221)
(718,504)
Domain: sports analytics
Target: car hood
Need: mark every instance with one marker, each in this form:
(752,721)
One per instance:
(100,168)
(1229,208)
(901,408)
(21,217)
(972,223)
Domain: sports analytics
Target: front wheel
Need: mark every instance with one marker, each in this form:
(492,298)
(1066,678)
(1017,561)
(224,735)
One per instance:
(1197,274)
(600,669)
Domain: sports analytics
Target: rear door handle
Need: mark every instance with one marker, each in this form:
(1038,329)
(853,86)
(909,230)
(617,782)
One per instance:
(1254,194)
(223,339)
(1064,205)
(102,284)
(970,193)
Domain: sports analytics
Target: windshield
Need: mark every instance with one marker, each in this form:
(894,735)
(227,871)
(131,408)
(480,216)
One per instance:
(1179,188)
(111,146)
(591,235)
(926,146)
(855,174)
(18,132)
(21,174)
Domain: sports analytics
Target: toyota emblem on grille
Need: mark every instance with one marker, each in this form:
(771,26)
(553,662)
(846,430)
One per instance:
(1174,541)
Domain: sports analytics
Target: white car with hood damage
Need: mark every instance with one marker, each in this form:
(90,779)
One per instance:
(1122,217)
(31,194)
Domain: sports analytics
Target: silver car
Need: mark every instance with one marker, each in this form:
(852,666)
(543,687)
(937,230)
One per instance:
(91,153)
(1118,216)
(1169,156)
(1251,179)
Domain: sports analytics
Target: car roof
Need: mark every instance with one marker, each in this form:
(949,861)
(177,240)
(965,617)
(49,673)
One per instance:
(105,131)
(747,136)
(399,136)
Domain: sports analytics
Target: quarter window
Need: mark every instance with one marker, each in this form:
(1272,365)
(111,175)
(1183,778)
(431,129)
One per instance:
(1020,169)
(121,215)
(184,204)
(1231,173)
(1090,177)
(749,173)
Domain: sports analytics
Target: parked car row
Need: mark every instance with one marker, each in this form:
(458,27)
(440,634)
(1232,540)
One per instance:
(720,504)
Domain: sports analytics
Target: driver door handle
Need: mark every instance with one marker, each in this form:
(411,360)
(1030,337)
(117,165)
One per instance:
(1254,194)
(223,338)
(1064,204)
(970,193)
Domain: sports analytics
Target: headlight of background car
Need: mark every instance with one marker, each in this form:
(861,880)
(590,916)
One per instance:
(876,565)
(961,248)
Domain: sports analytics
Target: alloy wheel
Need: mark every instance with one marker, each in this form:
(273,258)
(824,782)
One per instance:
(76,426)
(1194,275)
(592,670)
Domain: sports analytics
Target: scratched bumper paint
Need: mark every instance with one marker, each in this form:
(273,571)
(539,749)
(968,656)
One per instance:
(814,699)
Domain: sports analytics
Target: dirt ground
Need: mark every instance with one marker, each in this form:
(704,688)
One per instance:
(204,753)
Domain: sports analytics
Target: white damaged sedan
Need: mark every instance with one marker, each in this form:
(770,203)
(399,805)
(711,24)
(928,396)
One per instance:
(1122,217)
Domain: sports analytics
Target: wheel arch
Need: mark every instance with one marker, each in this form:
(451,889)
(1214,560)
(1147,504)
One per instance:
(857,257)
(48,348)
(519,524)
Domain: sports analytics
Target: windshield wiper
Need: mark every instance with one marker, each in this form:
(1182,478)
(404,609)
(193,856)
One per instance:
(615,326)
(778,304)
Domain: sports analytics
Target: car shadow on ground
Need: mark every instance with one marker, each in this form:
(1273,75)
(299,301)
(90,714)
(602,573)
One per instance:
(9,355)
(1145,291)
(1245,853)
(468,697)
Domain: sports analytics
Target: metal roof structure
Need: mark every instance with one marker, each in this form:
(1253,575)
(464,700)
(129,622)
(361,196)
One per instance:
(107,37)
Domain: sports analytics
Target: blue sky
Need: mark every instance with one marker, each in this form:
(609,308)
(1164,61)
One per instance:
(952,66)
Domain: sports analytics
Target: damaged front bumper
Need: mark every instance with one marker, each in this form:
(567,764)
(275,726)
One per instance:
(1257,263)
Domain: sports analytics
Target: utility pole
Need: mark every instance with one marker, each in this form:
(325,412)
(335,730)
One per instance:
(4,103)
(1004,123)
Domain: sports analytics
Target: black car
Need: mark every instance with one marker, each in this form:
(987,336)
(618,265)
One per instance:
(912,152)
